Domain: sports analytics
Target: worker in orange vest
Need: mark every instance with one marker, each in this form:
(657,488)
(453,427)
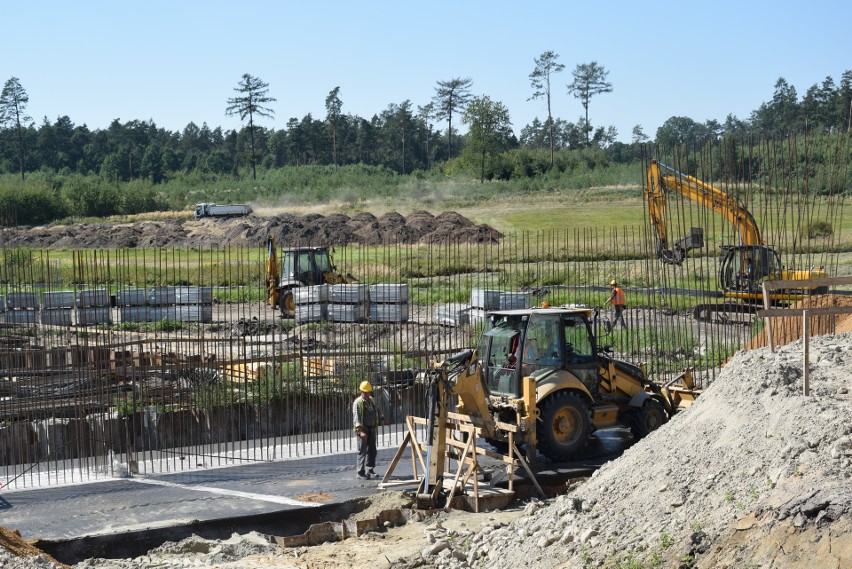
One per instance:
(618,300)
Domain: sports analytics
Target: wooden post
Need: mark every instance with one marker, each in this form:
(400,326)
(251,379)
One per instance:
(806,332)
(767,320)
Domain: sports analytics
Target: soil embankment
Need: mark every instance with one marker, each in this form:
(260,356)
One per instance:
(249,231)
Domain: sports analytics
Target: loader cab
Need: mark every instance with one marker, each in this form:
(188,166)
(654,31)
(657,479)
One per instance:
(533,343)
(305,265)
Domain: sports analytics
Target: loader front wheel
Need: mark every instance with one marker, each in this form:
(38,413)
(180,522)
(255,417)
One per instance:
(648,418)
(564,426)
(287,303)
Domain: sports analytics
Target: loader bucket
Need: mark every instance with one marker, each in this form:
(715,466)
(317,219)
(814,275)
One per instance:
(681,391)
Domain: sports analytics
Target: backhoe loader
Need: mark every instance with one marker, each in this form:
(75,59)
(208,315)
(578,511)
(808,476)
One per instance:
(300,266)
(742,267)
(541,372)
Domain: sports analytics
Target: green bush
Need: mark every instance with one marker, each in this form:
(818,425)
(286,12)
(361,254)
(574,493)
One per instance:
(818,229)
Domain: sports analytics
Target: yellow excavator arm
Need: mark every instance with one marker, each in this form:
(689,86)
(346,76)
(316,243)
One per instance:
(661,178)
(272,272)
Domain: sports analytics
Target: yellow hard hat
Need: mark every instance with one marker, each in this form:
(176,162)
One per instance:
(612,283)
(545,304)
(365,386)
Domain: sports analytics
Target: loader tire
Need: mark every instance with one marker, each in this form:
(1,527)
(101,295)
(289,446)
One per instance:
(648,418)
(564,426)
(287,303)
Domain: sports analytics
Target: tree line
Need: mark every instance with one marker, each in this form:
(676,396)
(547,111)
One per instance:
(403,138)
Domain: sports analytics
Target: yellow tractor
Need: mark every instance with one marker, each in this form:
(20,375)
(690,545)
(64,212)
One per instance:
(542,370)
(538,379)
(300,266)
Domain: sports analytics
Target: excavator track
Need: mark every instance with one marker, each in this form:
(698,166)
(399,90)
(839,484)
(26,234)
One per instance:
(725,312)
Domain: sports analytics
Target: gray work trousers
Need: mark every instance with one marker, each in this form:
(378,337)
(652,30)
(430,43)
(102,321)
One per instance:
(367,450)
(619,316)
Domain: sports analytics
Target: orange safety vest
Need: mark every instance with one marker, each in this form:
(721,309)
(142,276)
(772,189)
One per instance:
(618,296)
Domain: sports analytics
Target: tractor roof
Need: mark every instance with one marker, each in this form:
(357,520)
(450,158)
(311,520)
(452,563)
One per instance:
(571,310)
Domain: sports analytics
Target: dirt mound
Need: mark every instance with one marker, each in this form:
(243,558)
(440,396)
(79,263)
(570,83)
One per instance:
(17,553)
(313,229)
(789,329)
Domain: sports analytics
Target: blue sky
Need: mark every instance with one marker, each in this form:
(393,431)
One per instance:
(179,61)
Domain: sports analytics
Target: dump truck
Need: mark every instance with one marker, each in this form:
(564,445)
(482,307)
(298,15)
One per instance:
(215,210)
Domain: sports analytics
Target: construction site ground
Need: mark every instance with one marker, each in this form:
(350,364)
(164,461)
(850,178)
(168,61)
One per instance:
(128,515)
(754,475)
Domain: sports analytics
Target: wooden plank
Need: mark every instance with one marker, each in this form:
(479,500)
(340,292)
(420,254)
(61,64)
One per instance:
(396,457)
(828,281)
(794,312)
(806,332)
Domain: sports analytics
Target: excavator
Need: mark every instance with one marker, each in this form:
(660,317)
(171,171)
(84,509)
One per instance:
(300,266)
(742,267)
(539,379)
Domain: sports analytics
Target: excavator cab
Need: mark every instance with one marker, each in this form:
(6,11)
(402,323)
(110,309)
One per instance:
(742,268)
(535,344)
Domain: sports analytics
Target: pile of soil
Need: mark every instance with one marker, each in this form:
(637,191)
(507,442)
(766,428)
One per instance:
(789,329)
(17,553)
(249,231)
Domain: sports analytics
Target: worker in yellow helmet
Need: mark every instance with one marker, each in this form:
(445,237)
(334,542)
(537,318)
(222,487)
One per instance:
(618,301)
(366,417)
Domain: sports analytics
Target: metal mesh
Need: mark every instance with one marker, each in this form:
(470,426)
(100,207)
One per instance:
(164,360)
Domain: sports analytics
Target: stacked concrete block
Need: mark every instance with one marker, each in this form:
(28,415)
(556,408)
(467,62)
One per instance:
(481,302)
(389,302)
(311,303)
(485,299)
(132,305)
(57,308)
(348,302)
(22,307)
(93,307)
(514,300)
(452,314)
(181,303)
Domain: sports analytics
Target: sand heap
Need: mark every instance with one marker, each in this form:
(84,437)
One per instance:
(249,231)
(17,553)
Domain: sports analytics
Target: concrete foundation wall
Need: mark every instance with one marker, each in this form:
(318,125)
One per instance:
(99,434)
